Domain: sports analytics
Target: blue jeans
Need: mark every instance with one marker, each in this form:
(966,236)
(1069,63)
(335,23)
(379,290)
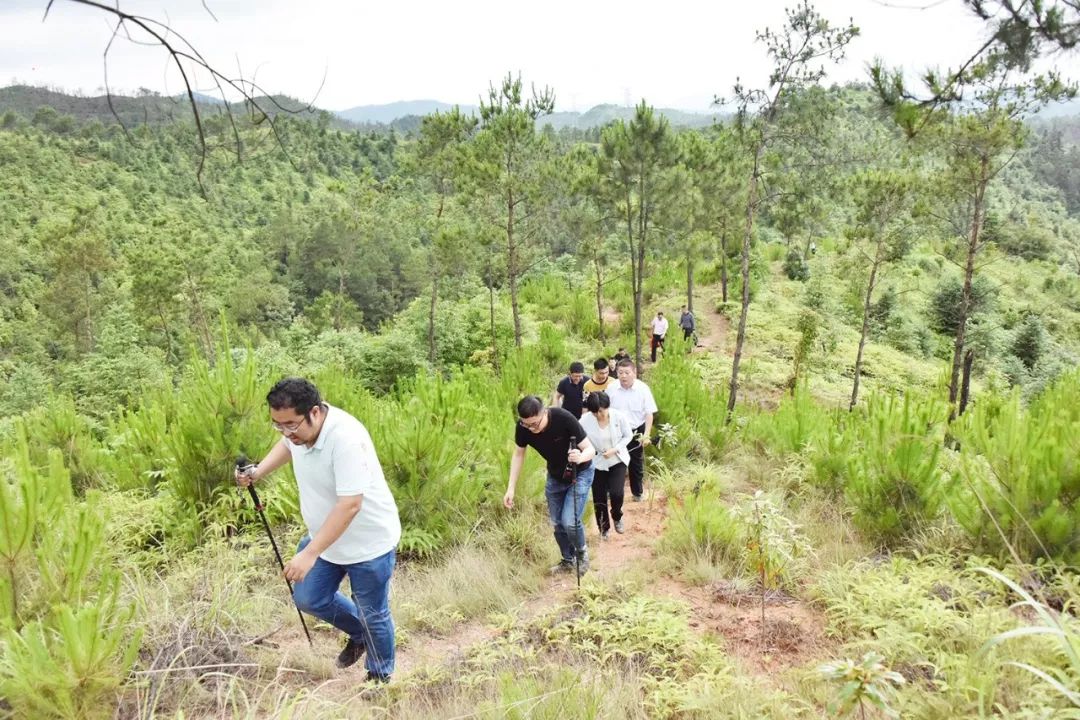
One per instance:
(365,618)
(566,504)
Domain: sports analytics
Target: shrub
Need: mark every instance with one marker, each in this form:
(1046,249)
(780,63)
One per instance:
(893,478)
(799,422)
(59,425)
(1020,466)
(687,403)
(795,267)
(66,646)
(703,529)
(22,389)
(553,346)
(1029,341)
(945,302)
(929,616)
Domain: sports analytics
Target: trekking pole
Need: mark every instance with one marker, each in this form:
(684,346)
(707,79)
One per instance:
(571,467)
(245,468)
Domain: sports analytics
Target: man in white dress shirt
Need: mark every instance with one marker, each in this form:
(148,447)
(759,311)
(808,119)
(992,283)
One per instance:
(659,327)
(634,398)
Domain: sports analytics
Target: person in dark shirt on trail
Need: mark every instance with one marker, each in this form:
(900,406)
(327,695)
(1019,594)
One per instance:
(687,323)
(548,431)
(621,355)
(570,393)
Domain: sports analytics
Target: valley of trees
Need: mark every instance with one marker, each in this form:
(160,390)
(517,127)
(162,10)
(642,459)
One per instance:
(880,427)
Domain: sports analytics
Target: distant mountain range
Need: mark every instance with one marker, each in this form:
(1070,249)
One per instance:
(596,117)
(390,112)
(1061,109)
(403,116)
(149,108)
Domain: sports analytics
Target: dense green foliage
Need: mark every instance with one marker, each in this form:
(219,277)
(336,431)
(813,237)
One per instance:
(426,282)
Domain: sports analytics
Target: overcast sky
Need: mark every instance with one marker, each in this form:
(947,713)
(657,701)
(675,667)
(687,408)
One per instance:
(678,53)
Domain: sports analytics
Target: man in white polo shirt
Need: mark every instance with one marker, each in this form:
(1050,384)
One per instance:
(634,398)
(352,521)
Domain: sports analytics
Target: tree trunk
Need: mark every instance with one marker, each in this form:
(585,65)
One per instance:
(168,335)
(723,261)
(494,337)
(865,327)
(965,299)
(965,386)
(634,285)
(740,338)
(643,224)
(511,266)
(340,299)
(89,314)
(689,283)
(432,351)
(599,297)
(200,316)
(723,279)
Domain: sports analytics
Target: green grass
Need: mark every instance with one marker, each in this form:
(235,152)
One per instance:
(931,617)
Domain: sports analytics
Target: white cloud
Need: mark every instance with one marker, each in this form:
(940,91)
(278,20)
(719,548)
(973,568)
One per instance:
(680,53)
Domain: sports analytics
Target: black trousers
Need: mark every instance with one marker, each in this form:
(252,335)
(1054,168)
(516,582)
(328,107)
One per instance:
(608,486)
(637,463)
(686,333)
(657,342)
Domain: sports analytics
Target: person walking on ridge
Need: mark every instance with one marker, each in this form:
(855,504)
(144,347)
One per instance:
(659,326)
(635,399)
(352,521)
(610,433)
(549,432)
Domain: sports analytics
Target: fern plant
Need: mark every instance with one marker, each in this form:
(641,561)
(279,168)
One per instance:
(1062,628)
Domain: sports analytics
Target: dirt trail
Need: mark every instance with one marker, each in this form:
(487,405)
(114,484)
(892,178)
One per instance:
(712,332)
(608,559)
(796,630)
(795,634)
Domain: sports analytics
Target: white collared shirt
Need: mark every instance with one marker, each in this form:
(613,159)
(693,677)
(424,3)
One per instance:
(636,403)
(342,463)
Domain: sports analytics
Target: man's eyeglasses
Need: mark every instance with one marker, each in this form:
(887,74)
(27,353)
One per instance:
(532,425)
(290,428)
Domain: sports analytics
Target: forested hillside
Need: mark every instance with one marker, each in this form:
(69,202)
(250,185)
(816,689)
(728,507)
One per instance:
(892,467)
(106,243)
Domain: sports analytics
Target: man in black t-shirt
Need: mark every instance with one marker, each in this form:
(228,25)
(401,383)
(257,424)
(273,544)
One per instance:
(570,394)
(617,358)
(548,431)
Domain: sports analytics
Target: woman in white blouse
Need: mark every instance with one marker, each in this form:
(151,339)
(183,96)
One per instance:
(609,431)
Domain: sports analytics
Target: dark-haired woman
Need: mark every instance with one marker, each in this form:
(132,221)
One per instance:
(609,432)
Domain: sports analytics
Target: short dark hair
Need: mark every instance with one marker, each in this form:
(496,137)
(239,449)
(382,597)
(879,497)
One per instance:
(597,400)
(577,367)
(600,364)
(625,362)
(297,393)
(529,406)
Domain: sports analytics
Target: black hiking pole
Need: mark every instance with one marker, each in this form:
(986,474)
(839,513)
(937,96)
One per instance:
(570,473)
(244,467)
